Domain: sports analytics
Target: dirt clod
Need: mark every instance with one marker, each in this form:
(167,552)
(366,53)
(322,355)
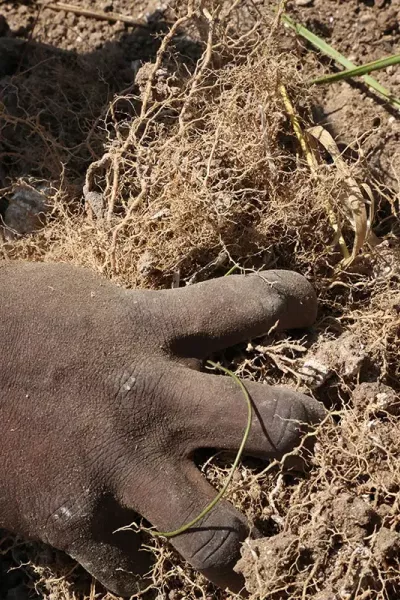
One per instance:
(386,545)
(376,397)
(343,356)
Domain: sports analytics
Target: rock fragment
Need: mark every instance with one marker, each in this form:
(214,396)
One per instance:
(26,211)
(342,356)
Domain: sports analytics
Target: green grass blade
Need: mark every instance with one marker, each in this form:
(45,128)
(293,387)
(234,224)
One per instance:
(325,48)
(221,493)
(375,65)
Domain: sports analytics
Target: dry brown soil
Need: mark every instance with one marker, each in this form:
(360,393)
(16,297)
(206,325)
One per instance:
(363,31)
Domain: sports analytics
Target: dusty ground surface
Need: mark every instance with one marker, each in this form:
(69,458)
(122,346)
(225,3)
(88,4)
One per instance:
(363,31)
(333,532)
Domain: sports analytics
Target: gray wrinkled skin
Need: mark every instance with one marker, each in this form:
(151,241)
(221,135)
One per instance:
(102,404)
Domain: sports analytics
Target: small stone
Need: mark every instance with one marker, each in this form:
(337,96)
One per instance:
(316,373)
(304,2)
(26,211)
(366,18)
(95,202)
(146,264)
(343,356)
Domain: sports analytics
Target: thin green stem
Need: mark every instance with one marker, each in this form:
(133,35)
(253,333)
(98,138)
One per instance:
(375,65)
(209,507)
(325,48)
(231,270)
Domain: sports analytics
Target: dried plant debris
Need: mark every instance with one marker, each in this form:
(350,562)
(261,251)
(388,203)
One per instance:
(339,534)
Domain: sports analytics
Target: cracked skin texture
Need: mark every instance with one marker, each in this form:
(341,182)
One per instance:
(102,404)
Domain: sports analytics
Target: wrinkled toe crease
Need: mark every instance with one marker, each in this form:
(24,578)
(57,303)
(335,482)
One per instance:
(217,551)
(294,418)
(216,541)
